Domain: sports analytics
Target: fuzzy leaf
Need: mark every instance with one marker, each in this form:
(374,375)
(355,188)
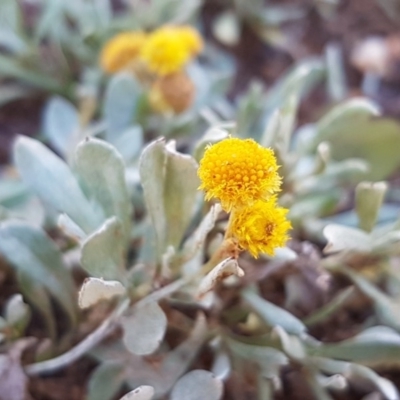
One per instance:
(170,183)
(274,315)
(60,123)
(103,251)
(52,180)
(198,385)
(121,98)
(341,238)
(144,329)
(141,393)
(101,172)
(105,381)
(353,129)
(93,290)
(32,252)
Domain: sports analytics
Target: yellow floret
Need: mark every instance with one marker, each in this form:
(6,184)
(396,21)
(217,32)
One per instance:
(260,228)
(193,41)
(120,51)
(238,172)
(169,49)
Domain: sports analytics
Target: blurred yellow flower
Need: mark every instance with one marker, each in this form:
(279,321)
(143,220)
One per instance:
(260,228)
(169,48)
(193,41)
(238,172)
(172,93)
(120,51)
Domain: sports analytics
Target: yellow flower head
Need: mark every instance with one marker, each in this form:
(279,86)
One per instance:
(238,172)
(169,49)
(119,52)
(260,228)
(191,38)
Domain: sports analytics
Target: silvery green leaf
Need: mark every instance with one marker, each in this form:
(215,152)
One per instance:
(271,128)
(354,129)
(94,289)
(250,109)
(226,28)
(195,242)
(269,359)
(103,251)
(32,252)
(221,271)
(376,346)
(172,366)
(52,180)
(222,366)
(12,192)
(120,103)
(170,183)
(357,374)
(101,173)
(130,143)
(60,123)
(144,329)
(105,381)
(298,80)
(342,238)
(363,375)
(368,199)
(336,76)
(274,315)
(387,308)
(70,228)
(143,392)
(37,295)
(291,345)
(17,312)
(198,385)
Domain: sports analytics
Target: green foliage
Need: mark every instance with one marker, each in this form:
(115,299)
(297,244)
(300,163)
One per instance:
(120,203)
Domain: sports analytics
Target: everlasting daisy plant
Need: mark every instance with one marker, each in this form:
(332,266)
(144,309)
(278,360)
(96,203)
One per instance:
(244,177)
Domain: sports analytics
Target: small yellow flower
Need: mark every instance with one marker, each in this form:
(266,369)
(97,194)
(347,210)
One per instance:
(120,51)
(238,172)
(191,38)
(172,93)
(168,49)
(260,228)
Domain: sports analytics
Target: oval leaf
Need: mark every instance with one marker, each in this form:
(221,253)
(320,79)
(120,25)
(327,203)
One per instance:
(52,180)
(198,385)
(144,329)
(33,253)
(141,393)
(101,172)
(93,290)
(103,251)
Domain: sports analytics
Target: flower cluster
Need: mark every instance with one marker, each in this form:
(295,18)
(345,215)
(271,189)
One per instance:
(157,59)
(244,177)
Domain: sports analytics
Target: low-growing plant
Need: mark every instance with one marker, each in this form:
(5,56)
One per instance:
(221,242)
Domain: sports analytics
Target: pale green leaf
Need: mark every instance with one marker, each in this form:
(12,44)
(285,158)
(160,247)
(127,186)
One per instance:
(198,385)
(101,173)
(144,329)
(52,180)
(103,251)
(32,252)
